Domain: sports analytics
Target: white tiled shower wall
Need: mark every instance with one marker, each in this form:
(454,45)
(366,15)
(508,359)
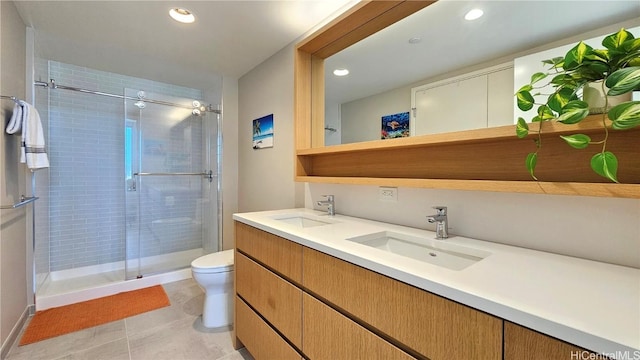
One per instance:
(85,221)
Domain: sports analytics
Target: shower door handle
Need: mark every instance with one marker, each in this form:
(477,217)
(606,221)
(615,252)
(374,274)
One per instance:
(207,174)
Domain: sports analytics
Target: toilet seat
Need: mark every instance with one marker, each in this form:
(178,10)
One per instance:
(217,262)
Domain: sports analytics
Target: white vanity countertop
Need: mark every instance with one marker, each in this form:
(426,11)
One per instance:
(587,303)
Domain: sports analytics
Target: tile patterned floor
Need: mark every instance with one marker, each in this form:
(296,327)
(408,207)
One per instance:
(171,333)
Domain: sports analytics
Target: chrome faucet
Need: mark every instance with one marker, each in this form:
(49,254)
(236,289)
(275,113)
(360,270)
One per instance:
(331,205)
(440,219)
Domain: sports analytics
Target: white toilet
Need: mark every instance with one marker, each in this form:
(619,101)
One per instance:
(214,274)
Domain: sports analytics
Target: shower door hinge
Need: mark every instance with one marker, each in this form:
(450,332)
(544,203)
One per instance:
(209,175)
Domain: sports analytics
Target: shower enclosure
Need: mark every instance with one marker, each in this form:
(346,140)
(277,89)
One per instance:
(133,186)
(168,180)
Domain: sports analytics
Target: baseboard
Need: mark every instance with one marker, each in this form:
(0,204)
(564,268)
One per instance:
(15,332)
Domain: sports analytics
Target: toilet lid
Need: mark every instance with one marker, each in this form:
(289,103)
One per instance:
(215,262)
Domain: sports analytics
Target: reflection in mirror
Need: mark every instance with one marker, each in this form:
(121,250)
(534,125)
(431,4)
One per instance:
(460,81)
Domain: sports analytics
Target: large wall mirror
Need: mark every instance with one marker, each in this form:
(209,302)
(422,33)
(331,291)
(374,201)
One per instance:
(458,69)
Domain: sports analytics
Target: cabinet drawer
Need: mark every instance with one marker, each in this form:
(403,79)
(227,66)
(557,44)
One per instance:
(279,302)
(524,344)
(281,255)
(427,324)
(260,339)
(329,335)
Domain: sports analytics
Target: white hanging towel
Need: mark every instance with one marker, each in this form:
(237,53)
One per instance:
(33,152)
(15,124)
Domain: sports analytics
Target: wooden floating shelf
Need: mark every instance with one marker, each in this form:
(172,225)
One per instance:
(527,187)
(592,124)
(481,160)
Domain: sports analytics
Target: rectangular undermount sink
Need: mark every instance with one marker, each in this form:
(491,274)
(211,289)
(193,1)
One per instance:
(304,220)
(436,252)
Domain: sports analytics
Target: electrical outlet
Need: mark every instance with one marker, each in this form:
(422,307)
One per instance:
(389,194)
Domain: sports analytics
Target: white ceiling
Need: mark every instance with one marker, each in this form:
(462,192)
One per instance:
(386,60)
(230,38)
(138,38)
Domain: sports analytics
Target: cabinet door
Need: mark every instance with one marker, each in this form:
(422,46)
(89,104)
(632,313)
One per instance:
(259,338)
(279,302)
(521,343)
(281,255)
(428,324)
(461,105)
(329,335)
(500,98)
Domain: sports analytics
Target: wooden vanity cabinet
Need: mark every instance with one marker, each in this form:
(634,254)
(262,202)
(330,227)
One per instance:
(269,308)
(280,255)
(329,335)
(277,300)
(521,343)
(268,304)
(293,302)
(427,324)
(259,338)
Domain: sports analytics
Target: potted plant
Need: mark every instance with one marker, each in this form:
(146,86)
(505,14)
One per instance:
(616,69)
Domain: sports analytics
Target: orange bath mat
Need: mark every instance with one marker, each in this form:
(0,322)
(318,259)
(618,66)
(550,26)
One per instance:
(62,320)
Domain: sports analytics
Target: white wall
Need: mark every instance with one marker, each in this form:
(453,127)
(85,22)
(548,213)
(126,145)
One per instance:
(229,158)
(14,294)
(362,118)
(603,229)
(265,176)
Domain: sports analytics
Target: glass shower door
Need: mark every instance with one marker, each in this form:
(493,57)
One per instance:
(170,185)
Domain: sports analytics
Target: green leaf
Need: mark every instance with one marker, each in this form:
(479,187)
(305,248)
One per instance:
(554,61)
(545,113)
(525,100)
(592,70)
(601,54)
(625,115)
(577,141)
(576,56)
(631,45)
(635,61)
(560,99)
(526,88)
(574,112)
(522,129)
(623,81)
(530,163)
(564,80)
(537,77)
(615,41)
(605,164)
(536,119)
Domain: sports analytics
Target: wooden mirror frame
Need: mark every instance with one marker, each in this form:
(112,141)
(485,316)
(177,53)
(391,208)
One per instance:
(484,159)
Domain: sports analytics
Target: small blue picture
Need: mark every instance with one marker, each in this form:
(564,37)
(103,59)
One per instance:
(395,126)
(263,132)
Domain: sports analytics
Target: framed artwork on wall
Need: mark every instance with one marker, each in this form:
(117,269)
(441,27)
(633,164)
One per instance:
(263,132)
(395,126)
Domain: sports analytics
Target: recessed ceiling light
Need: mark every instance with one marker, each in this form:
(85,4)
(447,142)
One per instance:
(182,15)
(473,14)
(340,72)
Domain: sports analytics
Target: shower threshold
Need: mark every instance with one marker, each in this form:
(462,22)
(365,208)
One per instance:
(71,286)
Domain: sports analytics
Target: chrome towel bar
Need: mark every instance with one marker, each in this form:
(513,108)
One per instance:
(24,200)
(13,98)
